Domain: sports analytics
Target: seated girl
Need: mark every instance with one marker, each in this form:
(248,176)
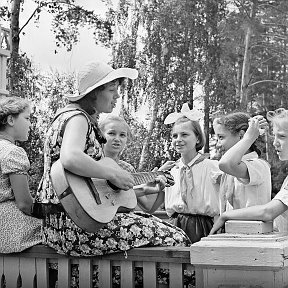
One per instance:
(18,230)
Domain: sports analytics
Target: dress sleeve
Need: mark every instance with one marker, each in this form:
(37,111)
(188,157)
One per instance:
(16,161)
(215,172)
(282,195)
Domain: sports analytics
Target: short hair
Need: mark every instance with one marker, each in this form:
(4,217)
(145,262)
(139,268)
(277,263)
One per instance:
(111,118)
(11,105)
(196,128)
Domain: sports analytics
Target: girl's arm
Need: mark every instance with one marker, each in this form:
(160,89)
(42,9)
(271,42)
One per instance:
(230,162)
(151,195)
(167,166)
(266,212)
(150,203)
(20,187)
(74,159)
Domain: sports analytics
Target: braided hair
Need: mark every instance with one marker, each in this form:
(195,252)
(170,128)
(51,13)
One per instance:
(235,122)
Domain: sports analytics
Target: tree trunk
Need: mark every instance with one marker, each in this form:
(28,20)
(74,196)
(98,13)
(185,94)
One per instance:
(247,55)
(149,133)
(206,120)
(15,39)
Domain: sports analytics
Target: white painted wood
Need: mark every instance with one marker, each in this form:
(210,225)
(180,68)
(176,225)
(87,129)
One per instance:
(248,227)
(234,250)
(1,265)
(11,271)
(42,272)
(5,46)
(149,275)
(85,273)
(150,258)
(27,272)
(127,274)
(240,260)
(105,272)
(176,278)
(237,278)
(64,273)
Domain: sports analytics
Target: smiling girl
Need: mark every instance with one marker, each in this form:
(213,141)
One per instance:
(117,133)
(278,206)
(18,230)
(247,179)
(192,203)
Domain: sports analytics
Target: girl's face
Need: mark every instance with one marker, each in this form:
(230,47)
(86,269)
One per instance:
(184,139)
(225,139)
(21,125)
(280,130)
(105,100)
(117,135)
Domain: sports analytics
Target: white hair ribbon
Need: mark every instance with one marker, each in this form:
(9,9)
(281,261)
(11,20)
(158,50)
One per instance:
(193,115)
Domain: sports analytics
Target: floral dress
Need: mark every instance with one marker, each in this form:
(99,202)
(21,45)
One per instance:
(18,231)
(125,231)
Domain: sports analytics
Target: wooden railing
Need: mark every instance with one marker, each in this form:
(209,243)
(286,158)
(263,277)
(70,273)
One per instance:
(31,268)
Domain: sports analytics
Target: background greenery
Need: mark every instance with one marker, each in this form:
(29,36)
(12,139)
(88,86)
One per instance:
(234,51)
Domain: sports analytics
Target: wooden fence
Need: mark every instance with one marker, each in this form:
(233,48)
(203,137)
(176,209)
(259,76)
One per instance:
(30,269)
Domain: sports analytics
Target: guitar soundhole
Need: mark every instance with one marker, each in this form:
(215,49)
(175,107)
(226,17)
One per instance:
(112,186)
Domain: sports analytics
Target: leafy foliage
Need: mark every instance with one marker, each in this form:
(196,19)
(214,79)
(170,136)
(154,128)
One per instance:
(176,46)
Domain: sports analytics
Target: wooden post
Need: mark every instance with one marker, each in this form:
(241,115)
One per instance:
(242,260)
(5,49)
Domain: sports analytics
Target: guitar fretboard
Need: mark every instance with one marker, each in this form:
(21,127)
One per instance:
(144,177)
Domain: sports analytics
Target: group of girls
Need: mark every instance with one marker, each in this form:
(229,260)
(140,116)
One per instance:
(203,188)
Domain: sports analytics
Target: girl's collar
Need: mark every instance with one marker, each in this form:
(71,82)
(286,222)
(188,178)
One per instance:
(197,155)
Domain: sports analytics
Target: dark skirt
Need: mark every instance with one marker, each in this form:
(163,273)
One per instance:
(195,226)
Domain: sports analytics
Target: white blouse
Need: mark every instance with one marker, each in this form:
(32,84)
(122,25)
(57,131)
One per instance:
(203,198)
(281,222)
(255,191)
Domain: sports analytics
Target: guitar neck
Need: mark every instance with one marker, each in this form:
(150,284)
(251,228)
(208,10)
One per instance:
(144,177)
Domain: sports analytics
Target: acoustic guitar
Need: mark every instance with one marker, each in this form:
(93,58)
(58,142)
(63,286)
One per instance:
(92,202)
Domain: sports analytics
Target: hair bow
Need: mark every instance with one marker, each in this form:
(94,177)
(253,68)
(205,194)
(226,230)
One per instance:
(193,115)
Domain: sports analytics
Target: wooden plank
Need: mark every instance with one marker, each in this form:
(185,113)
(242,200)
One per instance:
(265,255)
(127,274)
(248,227)
(85,273)
(27,272)
(42,273)
(176,278)
(199,278)
(105,274)
(149,275)
(64,270)
(240,278)
(11,271)
(1,265)
(150,254)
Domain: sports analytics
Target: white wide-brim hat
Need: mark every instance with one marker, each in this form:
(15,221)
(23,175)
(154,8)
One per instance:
(95,74)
